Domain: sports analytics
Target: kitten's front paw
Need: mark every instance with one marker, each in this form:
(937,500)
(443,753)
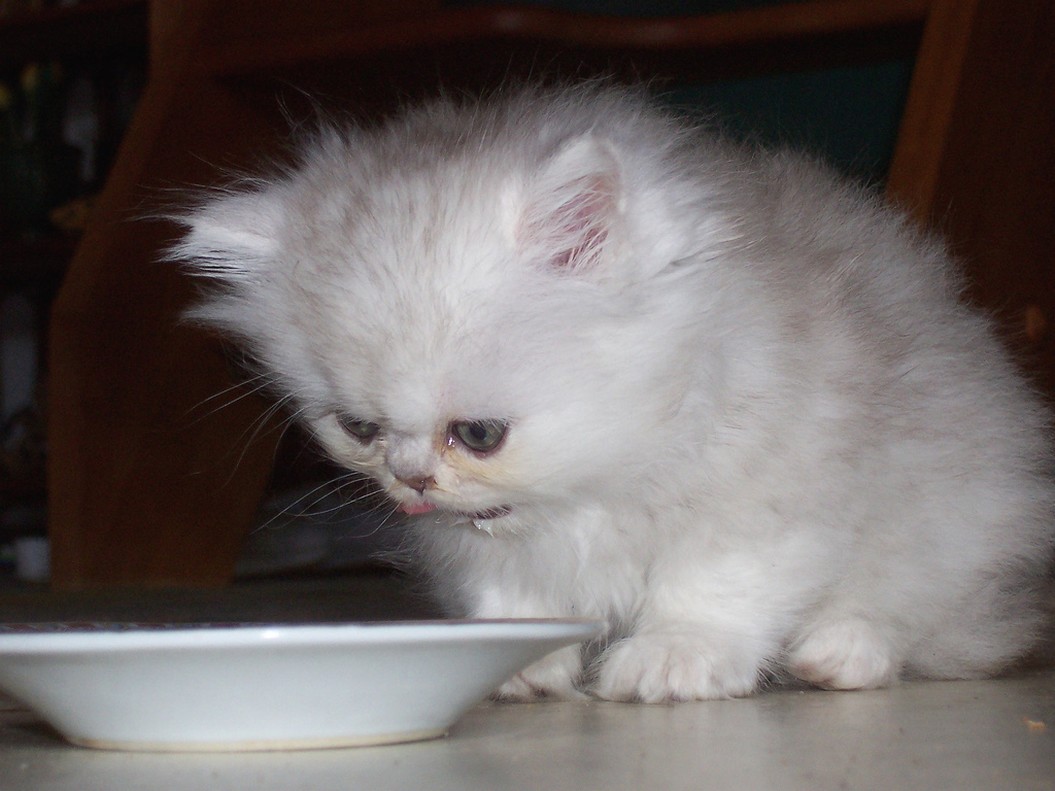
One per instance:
(555,676)
(661,666)
(846,654)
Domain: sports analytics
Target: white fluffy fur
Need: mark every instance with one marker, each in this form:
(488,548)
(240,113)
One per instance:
(751,424)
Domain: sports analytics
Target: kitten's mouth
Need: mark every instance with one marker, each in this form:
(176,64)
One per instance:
(413,509)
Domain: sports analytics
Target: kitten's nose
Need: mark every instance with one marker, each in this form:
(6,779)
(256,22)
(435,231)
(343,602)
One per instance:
(419,483)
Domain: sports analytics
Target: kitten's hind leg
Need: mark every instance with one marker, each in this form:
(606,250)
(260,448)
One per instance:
(849,653)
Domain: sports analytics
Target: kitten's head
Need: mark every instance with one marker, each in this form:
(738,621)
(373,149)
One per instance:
(475,305)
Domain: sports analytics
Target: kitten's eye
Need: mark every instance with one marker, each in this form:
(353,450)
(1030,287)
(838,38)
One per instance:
(362,430)
(483,436)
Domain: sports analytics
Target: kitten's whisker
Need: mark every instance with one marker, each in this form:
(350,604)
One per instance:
(257,428)
(252,380)
(259,384)
(326,487)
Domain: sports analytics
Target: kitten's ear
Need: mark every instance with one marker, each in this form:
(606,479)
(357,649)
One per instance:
(229,238)
(570,211)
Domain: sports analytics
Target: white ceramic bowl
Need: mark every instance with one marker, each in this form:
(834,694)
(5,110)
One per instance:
(267,687)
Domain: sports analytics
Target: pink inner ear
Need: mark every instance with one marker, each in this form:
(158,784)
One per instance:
(573,234)
(579,227)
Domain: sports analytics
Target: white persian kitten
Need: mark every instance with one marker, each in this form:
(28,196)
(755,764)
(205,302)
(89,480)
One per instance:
(614,367)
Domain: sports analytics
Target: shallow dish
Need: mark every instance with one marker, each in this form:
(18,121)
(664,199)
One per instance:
(266,687)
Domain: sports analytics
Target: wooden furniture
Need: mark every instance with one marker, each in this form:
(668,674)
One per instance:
(158,462)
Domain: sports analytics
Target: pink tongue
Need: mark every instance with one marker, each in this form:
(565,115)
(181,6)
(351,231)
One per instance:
(416,508)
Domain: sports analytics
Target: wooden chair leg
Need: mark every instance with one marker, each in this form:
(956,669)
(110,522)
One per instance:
(156,468)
